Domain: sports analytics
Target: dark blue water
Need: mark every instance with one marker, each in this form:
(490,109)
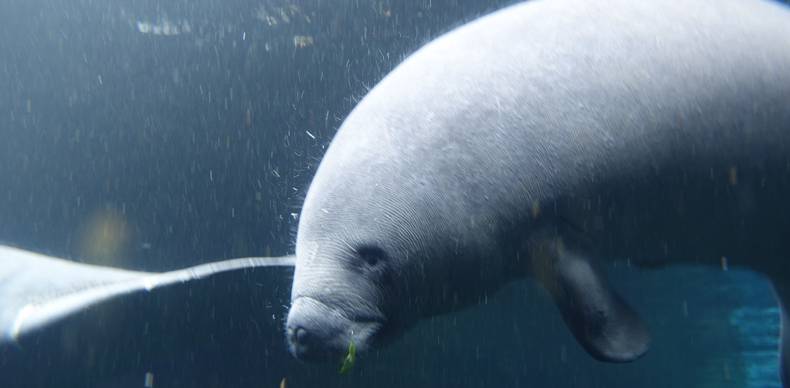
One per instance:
(154,135)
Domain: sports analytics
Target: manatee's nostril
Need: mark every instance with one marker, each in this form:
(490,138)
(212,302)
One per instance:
(297,335)
(301,335)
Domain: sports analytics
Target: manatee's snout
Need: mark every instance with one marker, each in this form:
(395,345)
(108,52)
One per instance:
(316,332)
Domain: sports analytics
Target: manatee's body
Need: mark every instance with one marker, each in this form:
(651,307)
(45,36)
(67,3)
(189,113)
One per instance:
(659,129)
(539,140)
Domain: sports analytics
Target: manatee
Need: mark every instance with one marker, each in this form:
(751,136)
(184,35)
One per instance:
(542,142)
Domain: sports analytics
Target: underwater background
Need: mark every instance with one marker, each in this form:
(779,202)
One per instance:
(153,135)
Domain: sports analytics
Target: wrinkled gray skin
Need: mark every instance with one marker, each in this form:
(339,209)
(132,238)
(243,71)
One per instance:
(538,141)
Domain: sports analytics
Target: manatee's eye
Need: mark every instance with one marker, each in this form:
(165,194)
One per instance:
(372,255)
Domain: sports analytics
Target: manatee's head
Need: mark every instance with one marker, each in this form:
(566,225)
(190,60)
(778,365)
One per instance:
(343,294)
(403,220)
(372,250)
(374,258)
(357,274)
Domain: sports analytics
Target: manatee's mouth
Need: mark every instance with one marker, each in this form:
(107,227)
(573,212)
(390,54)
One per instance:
(316,331)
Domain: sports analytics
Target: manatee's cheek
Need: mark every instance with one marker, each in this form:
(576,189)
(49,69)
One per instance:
(317,332)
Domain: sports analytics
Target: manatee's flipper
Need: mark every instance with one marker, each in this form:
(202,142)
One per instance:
(599,318)
(782,290)
(36,290)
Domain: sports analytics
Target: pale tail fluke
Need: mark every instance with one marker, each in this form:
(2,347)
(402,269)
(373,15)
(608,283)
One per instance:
(36,290)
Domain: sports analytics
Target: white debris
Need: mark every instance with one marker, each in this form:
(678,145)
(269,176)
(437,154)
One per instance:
(164,27)
(149,380)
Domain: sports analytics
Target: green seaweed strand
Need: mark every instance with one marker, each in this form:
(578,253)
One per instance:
(349,359)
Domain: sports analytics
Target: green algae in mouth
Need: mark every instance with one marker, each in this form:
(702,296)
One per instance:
(349,359)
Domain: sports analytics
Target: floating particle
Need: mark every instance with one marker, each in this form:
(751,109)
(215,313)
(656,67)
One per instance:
(104,236)
(535,209)
(302,41)
(149,380)
(164,27)
(733,176)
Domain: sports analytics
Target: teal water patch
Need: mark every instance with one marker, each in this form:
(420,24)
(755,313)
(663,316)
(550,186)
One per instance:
(759,340)
(756,321)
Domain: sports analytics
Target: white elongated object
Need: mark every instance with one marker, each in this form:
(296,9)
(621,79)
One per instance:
(36,290)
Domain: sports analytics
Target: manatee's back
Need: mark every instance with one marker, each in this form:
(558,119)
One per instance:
(548,99)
